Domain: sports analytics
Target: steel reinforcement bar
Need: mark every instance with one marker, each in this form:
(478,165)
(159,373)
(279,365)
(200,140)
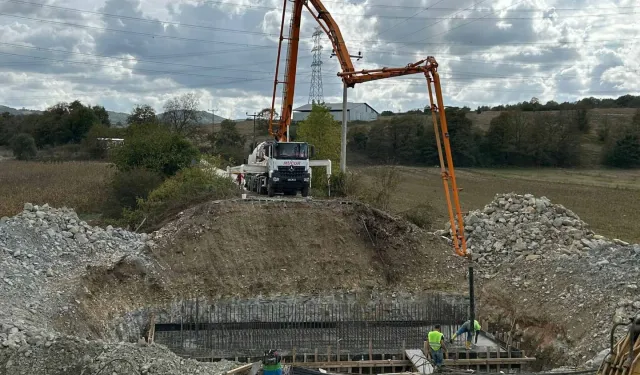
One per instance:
(199,329)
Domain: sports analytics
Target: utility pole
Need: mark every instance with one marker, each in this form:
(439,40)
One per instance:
(254,128)
(343,142)
(213,118)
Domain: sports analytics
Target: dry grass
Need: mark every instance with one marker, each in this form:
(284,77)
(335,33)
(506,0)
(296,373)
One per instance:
(607,200)
(78,185)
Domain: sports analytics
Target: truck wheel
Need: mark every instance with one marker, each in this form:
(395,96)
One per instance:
(305,191)
(270,190)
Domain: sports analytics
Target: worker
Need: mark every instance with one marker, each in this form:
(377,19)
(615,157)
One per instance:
(436,346)
(466,327)
(271,363)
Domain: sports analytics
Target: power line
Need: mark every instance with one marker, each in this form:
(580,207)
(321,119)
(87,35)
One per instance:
(410,17)
(480,75)
(435,23)
(265,46)
(472,21)
(189,25)
(134,59)
(469,77)
(131,32)
(531,10)
(180,24)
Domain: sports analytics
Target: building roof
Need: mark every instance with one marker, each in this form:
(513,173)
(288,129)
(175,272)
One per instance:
(333,107)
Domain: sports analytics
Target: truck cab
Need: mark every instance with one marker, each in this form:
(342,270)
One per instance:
(288,169)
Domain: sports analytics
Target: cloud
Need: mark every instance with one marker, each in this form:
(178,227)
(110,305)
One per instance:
(124,52)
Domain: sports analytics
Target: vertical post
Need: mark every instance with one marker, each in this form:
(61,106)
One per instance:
(472,303)
(343,143)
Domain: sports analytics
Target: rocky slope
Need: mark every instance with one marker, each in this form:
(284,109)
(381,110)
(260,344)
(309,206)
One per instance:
(561,274)
(43,253)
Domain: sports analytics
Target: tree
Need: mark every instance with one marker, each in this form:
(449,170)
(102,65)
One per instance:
(142,114)
(102,114)
(229,135)
(181,113)
(324,132)
(23,146)
(228,142)
(623,151)
(79,121)
(581,118)
(156,148)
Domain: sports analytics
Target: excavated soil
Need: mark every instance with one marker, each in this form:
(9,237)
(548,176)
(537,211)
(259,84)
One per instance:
(227,249)
(247,249)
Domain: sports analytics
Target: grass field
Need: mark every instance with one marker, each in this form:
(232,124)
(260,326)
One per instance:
(607,200)
(79,185)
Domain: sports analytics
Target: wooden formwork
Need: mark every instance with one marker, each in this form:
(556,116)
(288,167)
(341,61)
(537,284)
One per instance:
(334,360)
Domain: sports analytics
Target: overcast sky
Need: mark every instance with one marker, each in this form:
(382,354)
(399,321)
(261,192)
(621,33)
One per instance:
(119,53)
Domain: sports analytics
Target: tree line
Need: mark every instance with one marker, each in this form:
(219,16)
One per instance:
(624,101)
(515,138)
(73,129)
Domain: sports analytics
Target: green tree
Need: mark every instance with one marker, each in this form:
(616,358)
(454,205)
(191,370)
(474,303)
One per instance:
(623,149)
(581,118)
(156,148)
(23,146)
(323,131)
(79,121)
(625,153)
(229,135)
(102,114)
(228,142)
(181,113)
(142,114)
(127,187)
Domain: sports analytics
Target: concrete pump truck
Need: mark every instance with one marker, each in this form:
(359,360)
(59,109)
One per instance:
(269,167)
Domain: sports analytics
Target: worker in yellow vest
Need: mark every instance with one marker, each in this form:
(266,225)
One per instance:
(471,332)
(436,346)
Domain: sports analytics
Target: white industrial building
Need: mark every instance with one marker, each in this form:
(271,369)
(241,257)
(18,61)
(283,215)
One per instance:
(355,112)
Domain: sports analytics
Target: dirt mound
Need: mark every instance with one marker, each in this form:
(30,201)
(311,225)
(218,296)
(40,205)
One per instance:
(235,248)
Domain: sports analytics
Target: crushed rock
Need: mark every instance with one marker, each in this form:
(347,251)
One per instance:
(554,264)
(44,251)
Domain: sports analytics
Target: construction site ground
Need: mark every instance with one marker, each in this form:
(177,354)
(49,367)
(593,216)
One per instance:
(541,274)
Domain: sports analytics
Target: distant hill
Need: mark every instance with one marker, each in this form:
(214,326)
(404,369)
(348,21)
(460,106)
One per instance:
(14,111)
(115,117)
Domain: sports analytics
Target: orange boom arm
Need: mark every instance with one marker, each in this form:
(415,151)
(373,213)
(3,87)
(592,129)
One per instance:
(350,77)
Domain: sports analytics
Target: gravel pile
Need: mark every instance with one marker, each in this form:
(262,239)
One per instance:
(555,267)
(516,226)
(44,251)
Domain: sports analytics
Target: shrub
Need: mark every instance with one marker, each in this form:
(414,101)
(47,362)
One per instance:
(127,187)
(345,185)
(23,146)
(420,215)
(188,187)
(155,148)
(625,152)
(385,181)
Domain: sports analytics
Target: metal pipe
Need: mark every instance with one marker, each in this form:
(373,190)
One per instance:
(472,303)
(343,143)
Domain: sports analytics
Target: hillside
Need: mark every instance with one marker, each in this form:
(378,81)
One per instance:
(115,117)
